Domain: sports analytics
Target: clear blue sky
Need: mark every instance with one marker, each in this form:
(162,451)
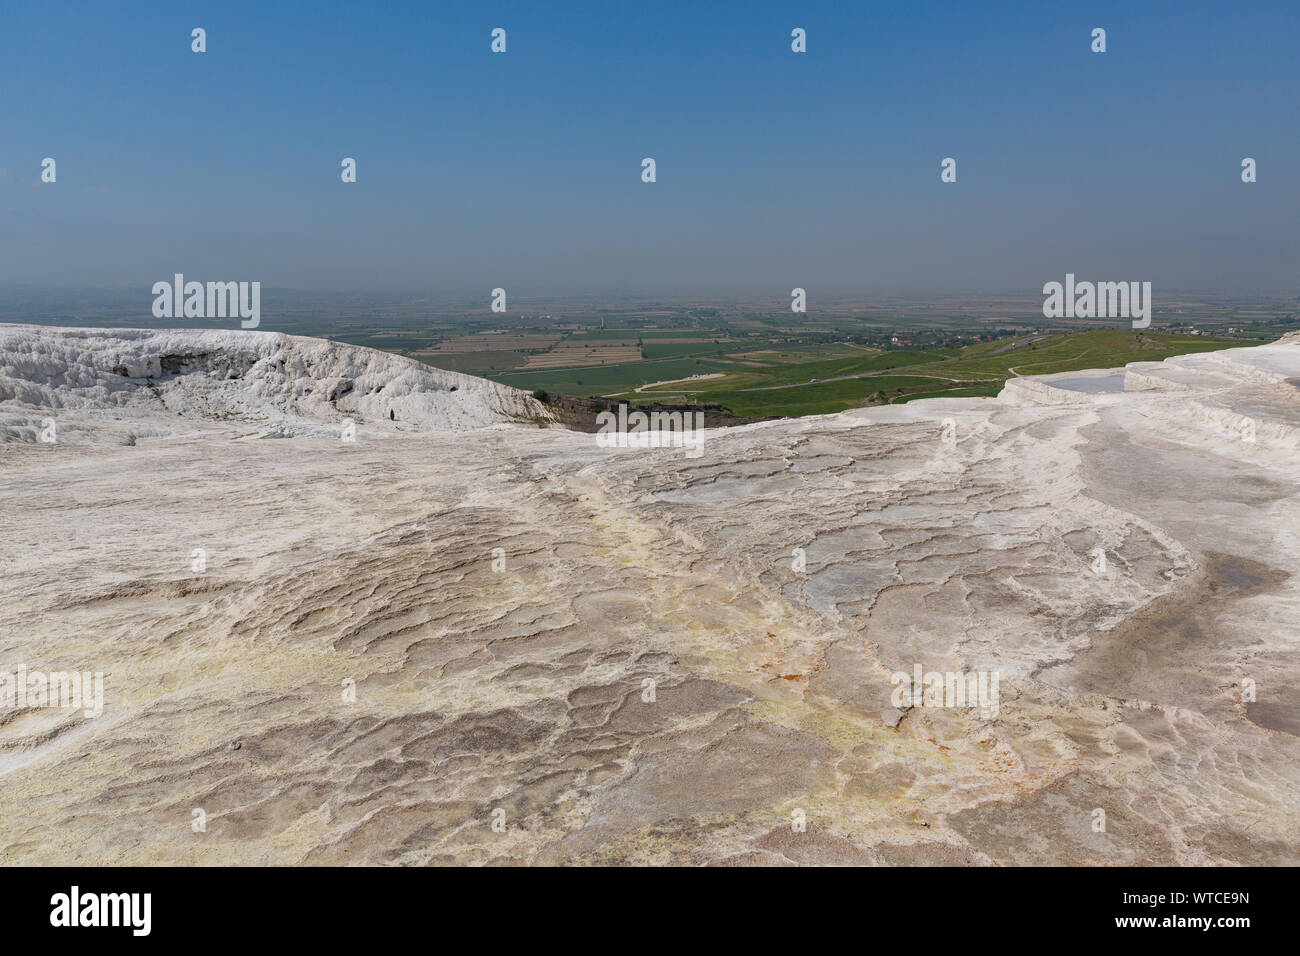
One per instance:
(774,169)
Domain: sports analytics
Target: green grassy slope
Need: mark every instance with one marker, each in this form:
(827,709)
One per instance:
(794,381)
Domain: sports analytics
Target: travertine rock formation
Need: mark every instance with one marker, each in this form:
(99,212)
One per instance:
(117,385)
(669,659)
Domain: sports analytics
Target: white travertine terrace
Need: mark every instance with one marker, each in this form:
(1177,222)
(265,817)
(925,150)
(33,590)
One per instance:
(525,690)
(114,384)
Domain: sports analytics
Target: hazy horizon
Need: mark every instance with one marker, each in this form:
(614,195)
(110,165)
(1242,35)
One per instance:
(775,169)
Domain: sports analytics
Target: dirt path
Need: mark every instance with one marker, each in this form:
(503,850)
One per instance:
(675,381)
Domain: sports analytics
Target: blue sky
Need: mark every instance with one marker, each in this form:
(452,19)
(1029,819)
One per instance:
(775,169)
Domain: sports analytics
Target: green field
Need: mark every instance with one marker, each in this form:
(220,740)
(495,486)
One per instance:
(608,379)
(801,380)
(658,350)
(477,363)
(976,370)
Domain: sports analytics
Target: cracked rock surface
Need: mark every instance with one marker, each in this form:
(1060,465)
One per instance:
(456,640)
